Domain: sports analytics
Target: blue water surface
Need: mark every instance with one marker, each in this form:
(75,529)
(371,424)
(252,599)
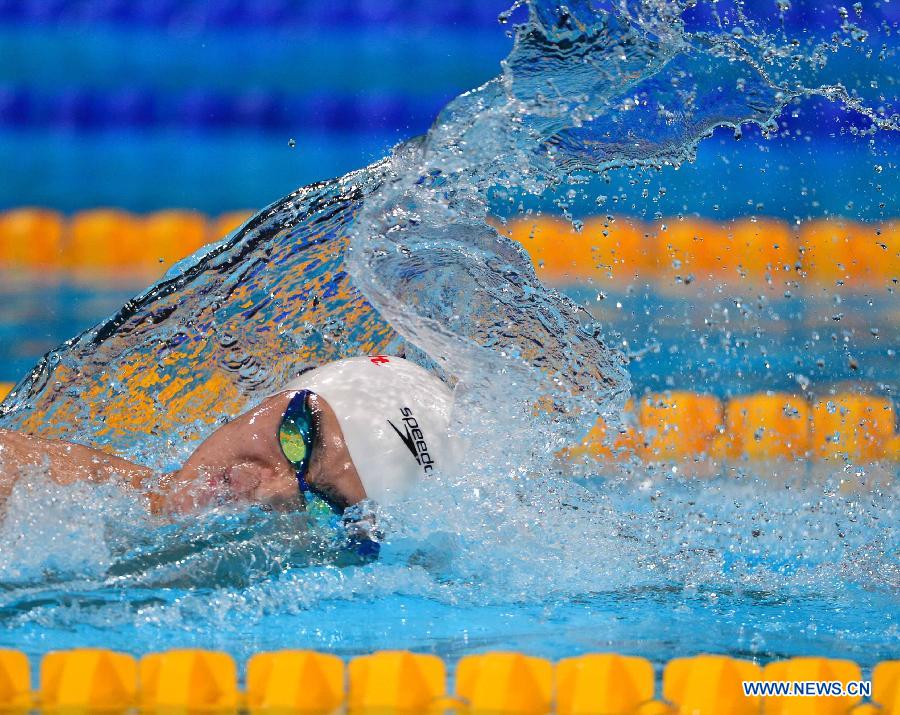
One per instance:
(730,565)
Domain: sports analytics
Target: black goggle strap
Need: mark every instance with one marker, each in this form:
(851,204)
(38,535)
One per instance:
(297,434)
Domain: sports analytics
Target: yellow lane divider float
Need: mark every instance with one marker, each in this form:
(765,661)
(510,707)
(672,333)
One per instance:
(686,253)
(768,426)
(673,254)
(759,427)
(292,681)
(106,241)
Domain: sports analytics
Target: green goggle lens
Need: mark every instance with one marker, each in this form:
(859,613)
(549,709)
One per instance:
(296,435)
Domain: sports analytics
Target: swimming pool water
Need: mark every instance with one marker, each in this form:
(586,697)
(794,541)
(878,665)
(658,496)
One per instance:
(761,560)
(670,338)
(755,560)
(733,565)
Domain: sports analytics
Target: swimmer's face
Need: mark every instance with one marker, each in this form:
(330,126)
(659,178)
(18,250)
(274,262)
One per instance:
(332,474)
(243,462)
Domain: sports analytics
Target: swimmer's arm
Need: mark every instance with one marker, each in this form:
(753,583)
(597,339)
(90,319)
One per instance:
(64,462)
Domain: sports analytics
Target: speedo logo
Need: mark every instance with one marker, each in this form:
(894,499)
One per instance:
(414,439)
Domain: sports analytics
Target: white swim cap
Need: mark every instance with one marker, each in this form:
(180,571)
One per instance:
(394,416)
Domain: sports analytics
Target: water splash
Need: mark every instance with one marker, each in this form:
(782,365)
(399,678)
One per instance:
(587,87)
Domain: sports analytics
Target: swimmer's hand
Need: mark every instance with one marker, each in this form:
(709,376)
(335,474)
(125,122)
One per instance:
(364,535)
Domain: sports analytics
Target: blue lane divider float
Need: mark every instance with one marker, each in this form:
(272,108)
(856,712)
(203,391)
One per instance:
(807,14)
(87,109)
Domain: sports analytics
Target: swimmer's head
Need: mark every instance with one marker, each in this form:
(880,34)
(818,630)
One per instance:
(394,416)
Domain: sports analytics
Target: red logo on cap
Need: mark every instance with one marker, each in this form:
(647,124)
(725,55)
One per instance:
(379,359)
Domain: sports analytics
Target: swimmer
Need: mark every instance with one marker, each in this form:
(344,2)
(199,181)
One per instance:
(354,432)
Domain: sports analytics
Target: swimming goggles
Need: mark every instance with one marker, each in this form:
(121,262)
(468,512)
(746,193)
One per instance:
(297,434)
